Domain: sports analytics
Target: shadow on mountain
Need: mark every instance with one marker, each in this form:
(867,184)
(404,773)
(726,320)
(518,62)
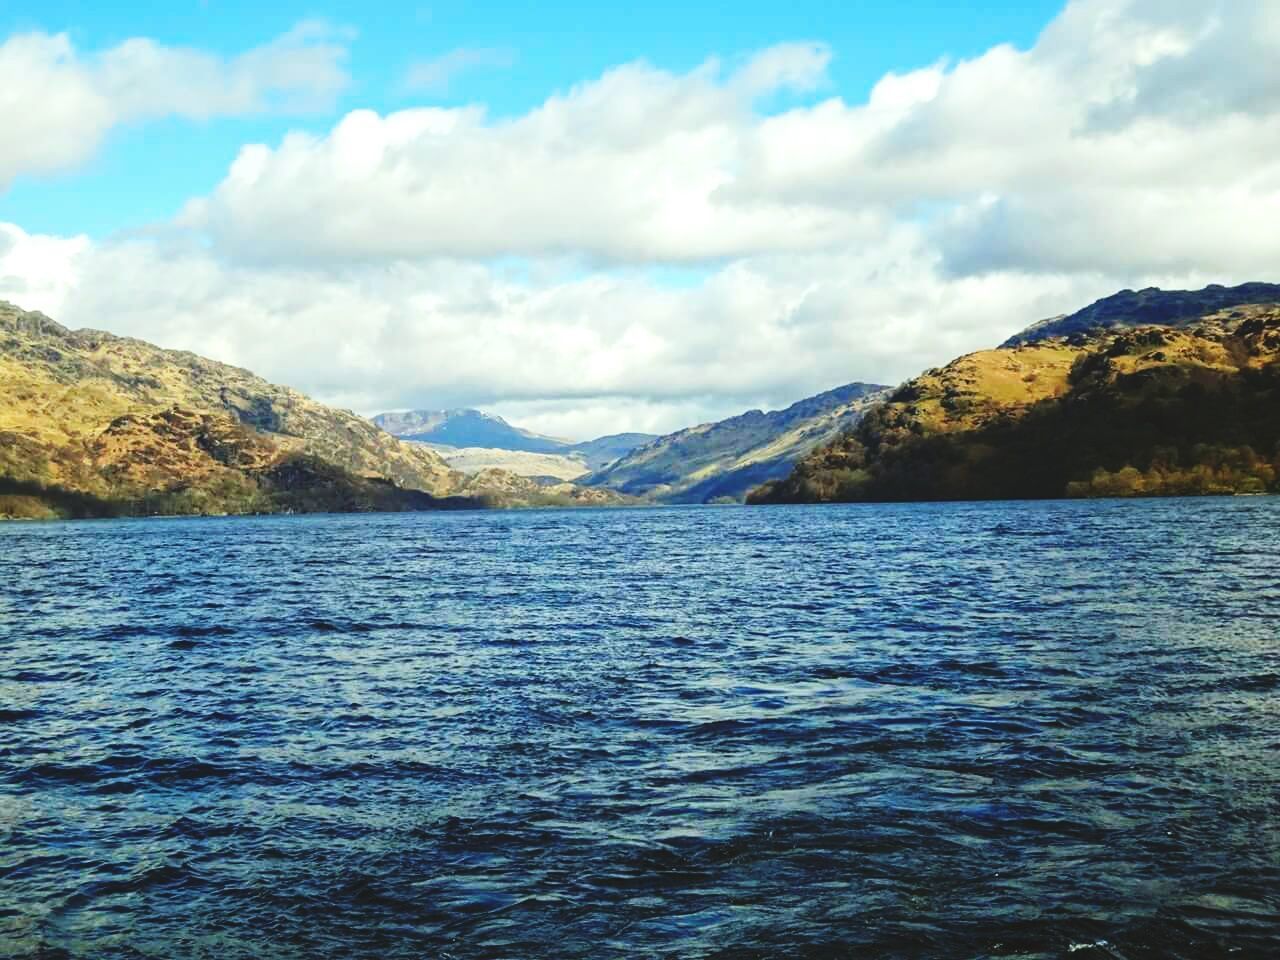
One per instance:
(295,485)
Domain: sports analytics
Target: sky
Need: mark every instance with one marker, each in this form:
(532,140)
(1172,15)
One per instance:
(592,220)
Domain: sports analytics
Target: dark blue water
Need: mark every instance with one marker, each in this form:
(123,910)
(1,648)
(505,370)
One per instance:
(1024,730)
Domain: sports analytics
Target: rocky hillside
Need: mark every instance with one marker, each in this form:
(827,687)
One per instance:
(724,460)
(504,488)
(95,424)
(1116,408)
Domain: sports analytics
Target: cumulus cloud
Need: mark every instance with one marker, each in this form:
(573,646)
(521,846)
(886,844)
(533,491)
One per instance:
(799,67)
(1138,130)
(57,103)
(436,75)
(1136,135)
(38,272)
(626,168)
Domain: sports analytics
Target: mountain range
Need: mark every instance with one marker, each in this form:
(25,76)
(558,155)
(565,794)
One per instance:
(1149,393)
(471,440)
(1146,392)
(721,460)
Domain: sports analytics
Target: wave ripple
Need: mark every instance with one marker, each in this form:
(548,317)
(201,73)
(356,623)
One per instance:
(1021,730)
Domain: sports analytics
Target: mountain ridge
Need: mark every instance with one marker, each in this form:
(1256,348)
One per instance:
(1149,306)
(726,458)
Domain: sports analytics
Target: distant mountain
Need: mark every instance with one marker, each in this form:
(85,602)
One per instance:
(466,428)
(93,424)
(1112,405)
(604,450)
(1130,308)
(538,466)
(724,460)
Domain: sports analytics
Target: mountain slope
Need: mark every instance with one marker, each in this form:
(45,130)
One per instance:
(93,424)
(58,384)
(603,451)
(727,458)
(574,462)
(1125,409)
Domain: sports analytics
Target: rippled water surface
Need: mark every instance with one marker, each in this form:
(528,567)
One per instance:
(1030,730)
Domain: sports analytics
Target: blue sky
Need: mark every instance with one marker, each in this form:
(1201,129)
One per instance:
(144,172)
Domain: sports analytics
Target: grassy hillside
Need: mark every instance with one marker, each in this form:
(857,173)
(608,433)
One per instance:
(92,424)
(1153,410)
(728,458)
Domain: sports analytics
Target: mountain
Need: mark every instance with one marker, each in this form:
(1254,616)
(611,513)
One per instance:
(1130,308)
(724,460)
(603,451)
(467,431)
(1116,407)
(95,424)
(465,428)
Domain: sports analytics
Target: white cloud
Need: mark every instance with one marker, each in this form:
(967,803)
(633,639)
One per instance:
(626,168)
(799,67)
(436,75)
(57,103)
(1135,136)
(38,272)
(579,419)
(1139,130)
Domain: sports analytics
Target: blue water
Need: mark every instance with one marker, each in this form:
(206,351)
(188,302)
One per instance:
(1024,730)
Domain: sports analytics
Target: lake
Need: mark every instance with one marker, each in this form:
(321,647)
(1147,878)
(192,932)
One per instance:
(955,730)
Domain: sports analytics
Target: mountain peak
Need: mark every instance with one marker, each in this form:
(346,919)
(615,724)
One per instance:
(466,427)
